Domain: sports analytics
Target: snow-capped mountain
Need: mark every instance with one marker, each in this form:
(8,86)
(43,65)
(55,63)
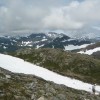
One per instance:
(8,43)
(43,40)
(89,32)
(67,43)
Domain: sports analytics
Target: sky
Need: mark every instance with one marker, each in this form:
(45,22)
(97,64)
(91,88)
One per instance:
(26,16)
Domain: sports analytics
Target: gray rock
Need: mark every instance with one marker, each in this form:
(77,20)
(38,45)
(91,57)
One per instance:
(61,97)
(32,97)
(8,76)
(41,98)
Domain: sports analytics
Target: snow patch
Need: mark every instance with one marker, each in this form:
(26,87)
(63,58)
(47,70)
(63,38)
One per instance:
(14,40)
(43,40)
(4,47)
(18,65)
(91,51)
(73,47)
(38,46)
(36,42)
(26,43)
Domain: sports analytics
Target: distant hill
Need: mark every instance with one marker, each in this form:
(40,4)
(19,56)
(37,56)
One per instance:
(75,65)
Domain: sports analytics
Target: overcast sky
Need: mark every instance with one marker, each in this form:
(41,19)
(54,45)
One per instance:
(19,16)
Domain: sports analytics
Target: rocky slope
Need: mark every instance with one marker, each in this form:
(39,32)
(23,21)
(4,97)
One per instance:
(27,87)
(79,66)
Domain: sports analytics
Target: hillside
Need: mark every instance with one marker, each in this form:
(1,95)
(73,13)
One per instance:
(78,66)
(27,87)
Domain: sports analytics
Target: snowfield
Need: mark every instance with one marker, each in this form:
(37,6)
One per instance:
(18,65)
(72,47)
(91,51)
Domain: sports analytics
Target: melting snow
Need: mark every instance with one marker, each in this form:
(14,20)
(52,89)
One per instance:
(20,66)
(72,47)
(91,51)
(4,47)
(36,42)
(26,43)
(43,39)
(38,46)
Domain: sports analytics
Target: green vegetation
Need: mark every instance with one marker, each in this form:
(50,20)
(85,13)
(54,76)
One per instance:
(78,66)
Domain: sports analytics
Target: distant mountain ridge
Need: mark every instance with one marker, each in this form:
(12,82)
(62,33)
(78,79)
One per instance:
(43,40)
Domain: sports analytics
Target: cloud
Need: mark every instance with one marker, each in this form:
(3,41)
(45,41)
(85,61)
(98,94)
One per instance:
(36,16)
(60,18)
(76,15)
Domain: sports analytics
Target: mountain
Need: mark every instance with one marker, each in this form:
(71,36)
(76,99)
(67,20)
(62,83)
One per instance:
(67,43)
(36,40)
(44,40)
(9,44)
(62,75)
